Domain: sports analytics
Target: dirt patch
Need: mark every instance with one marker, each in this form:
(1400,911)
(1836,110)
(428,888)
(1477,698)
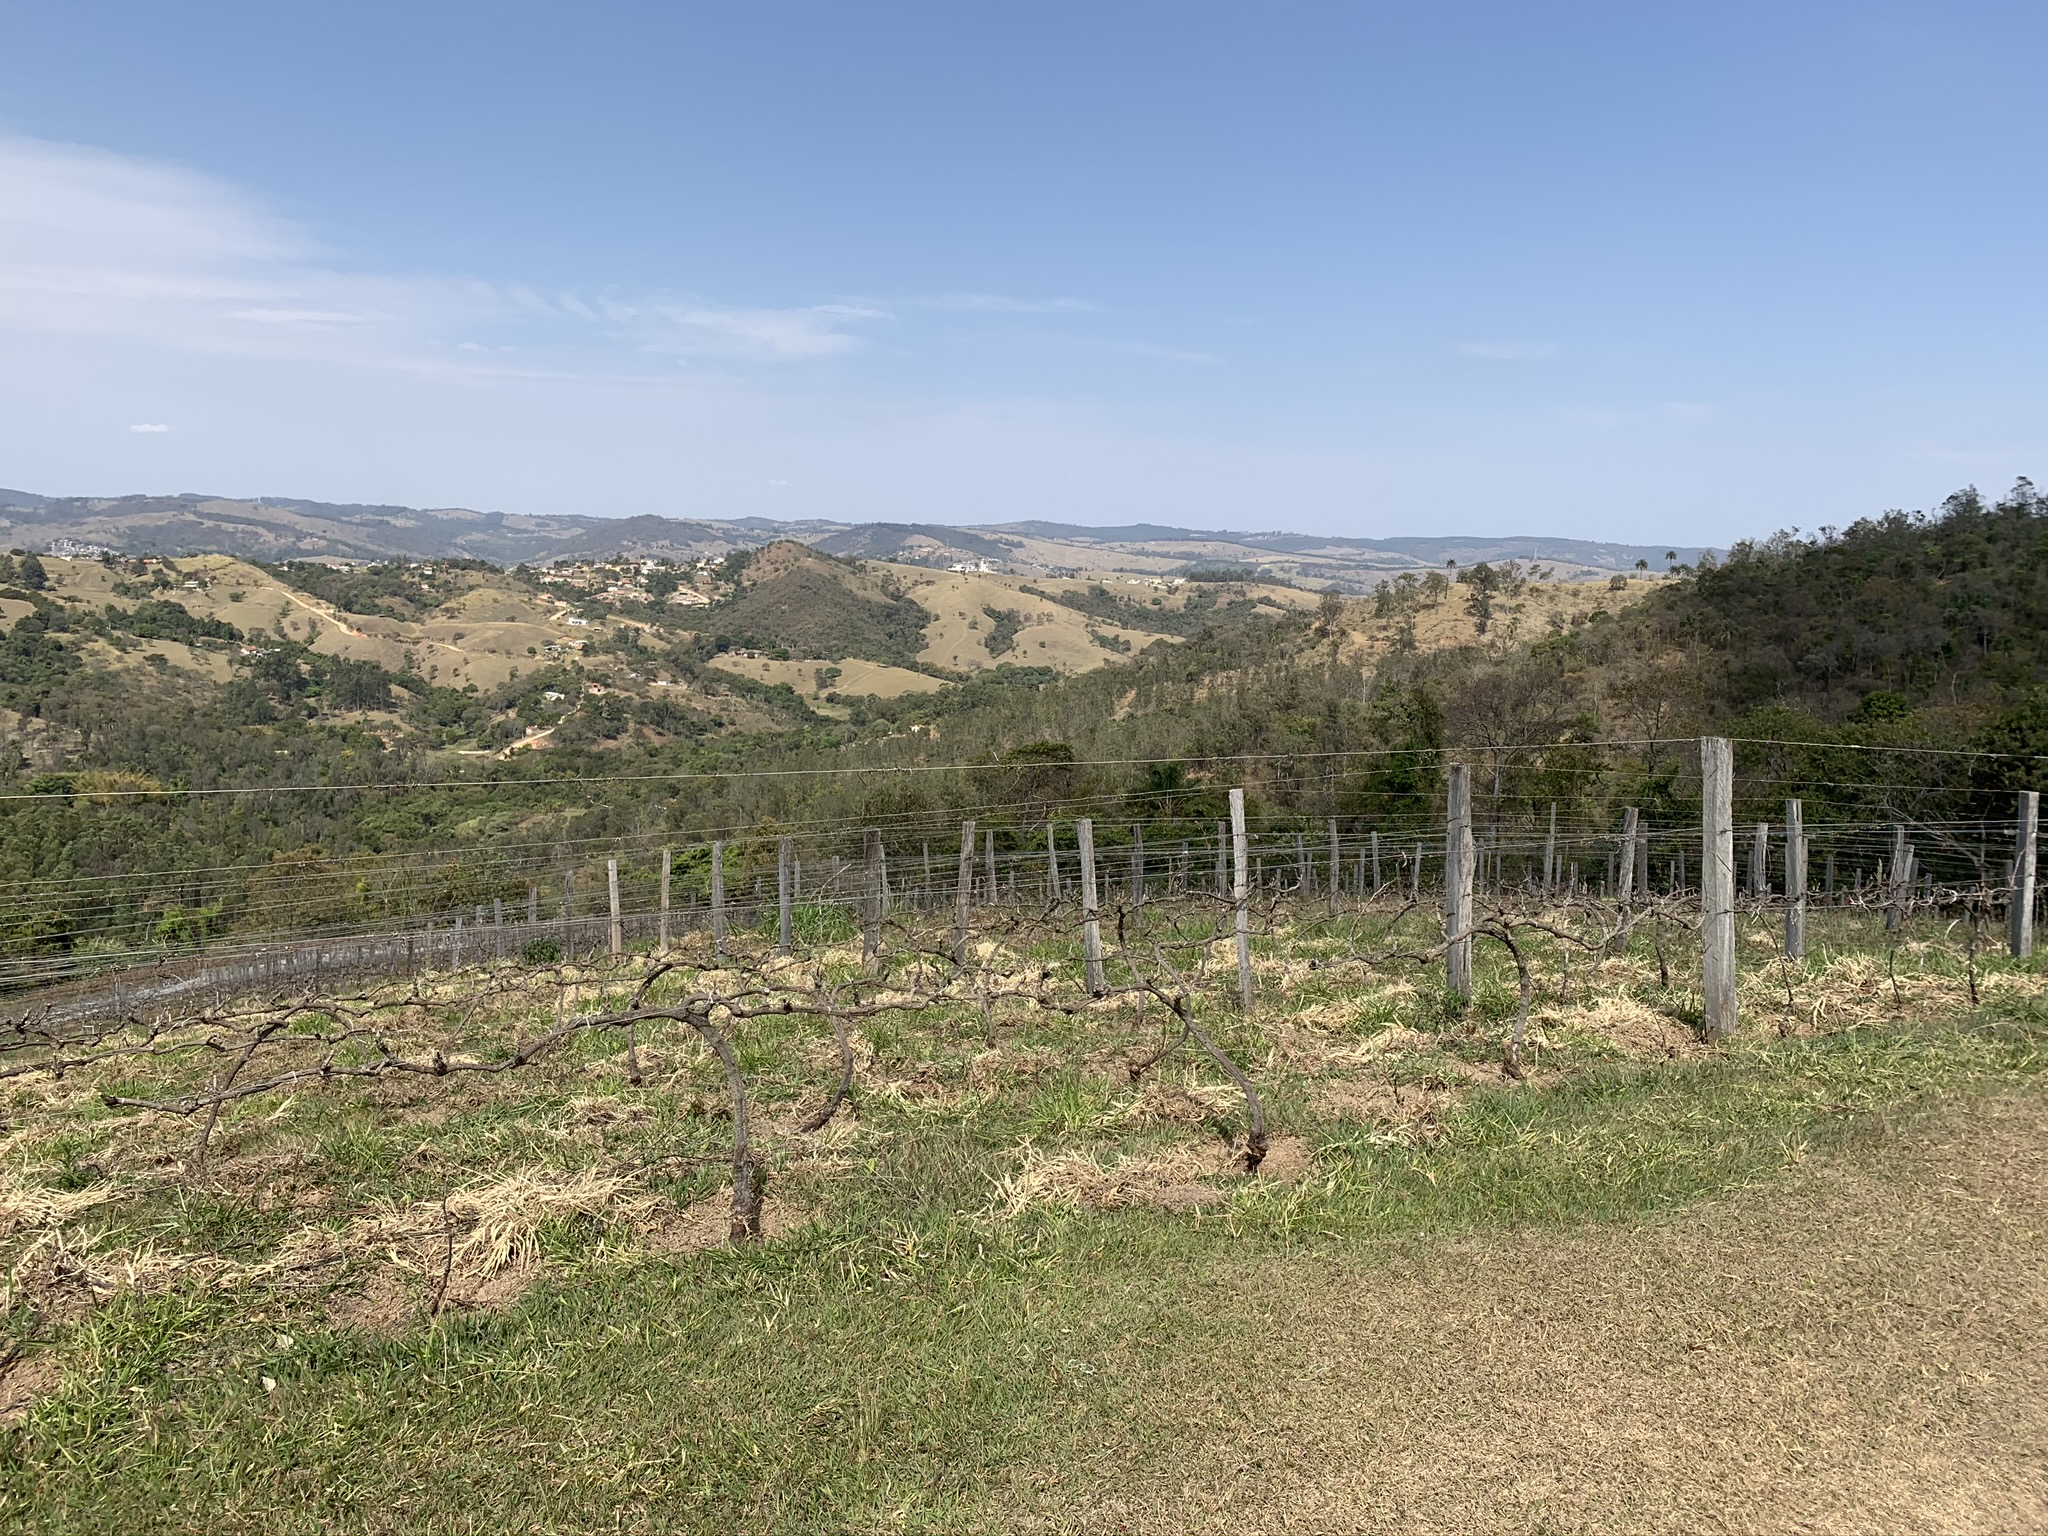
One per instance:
(1287,1159)
(26,1381)
(383,1305)
(708,1224)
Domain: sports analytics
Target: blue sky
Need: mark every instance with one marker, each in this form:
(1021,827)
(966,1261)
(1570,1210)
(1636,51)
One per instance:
(1679,272)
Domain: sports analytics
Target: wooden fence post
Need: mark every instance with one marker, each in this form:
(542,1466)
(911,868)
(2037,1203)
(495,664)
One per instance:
(1900,876)
(718,899)
(1458,861)
(2023,865)
(1138,865)
(1091,921)
(1240,890)
(1717,885)
(667,867)
(568,916)
(963,897)
(871,903)
(1795,880)
(1550,853)
(532,907)
(1052,864)
(1222,859)
(1643,857)
(1375,864)
(1336,867)
(1625,865)
(618,935)
(988,847)
(1760,861)
(785,887)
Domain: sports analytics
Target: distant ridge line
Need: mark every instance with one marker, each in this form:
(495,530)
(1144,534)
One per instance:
(284,527)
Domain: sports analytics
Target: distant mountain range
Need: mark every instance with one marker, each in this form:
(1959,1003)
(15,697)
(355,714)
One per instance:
(286,528)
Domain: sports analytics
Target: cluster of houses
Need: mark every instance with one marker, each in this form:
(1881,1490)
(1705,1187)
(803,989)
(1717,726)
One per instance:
(617,581)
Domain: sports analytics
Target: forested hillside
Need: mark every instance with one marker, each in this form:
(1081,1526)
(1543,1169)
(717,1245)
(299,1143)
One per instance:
(1942,609)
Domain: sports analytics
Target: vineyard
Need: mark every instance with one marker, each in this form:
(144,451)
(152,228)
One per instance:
(815,1074)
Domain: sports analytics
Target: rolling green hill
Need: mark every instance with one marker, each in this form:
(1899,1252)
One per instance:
(808,604)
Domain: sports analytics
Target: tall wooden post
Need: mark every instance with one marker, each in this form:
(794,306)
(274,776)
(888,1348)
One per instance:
(1901,875)
(1643,857)
(1550,853)
(618,933)
(1415,878)
(1241,894)
(532,908)
(667,869)
(1795,880)
(1717,885)
(1091,921)
(718,899)
(785,886)
(2023,863)
(1222,859)
(989,857)
(1625,866)
(568,916)
(1052,865)
(1458,860)
(1375,863)
(1138,865)
(871,897)
(1760,861)
(963,897)
(1336,867)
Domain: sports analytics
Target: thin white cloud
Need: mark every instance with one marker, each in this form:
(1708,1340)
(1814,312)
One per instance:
(1005,304)
(93,243)
(817,330)
(317,318)
(1509,351)
(1154,350)
(150,426)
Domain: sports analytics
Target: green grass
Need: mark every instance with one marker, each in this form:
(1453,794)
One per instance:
(900,1363)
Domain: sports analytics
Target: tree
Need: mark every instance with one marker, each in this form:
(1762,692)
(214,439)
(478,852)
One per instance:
(28,570)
